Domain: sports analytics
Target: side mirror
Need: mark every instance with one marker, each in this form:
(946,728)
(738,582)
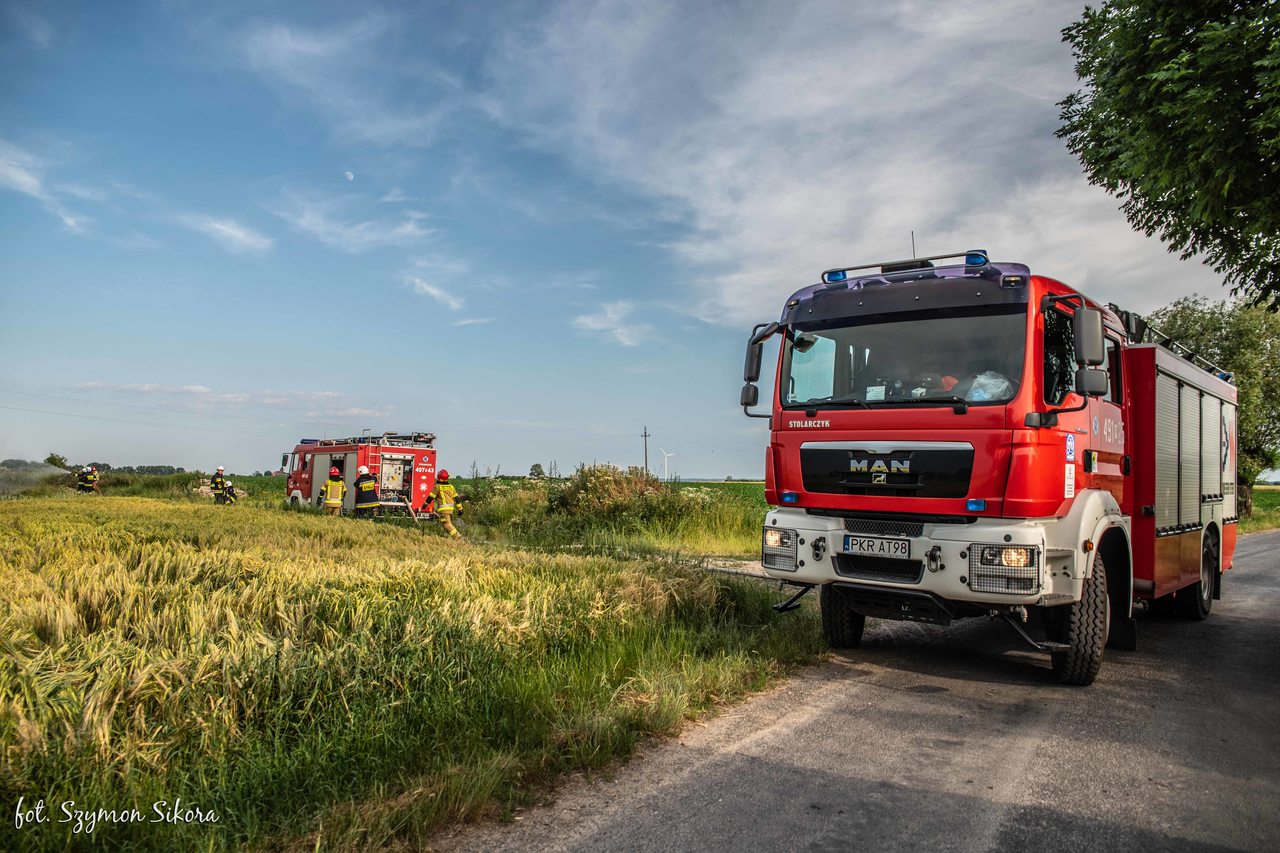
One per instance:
(1091,382)
(1087,328)
(750,395)
(284,461)
(755,353)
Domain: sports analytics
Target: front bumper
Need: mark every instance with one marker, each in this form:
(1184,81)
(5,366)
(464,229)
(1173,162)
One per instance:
(945,558)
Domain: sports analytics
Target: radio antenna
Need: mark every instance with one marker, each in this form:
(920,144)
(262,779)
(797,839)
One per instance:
(913,243)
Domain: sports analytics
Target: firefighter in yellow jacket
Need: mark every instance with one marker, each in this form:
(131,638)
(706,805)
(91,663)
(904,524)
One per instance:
(334,490)
(445,498)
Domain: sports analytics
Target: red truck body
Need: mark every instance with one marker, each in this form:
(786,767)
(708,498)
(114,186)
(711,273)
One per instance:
(404,464)
(934,454)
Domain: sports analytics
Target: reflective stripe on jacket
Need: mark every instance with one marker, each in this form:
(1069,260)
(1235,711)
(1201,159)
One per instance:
(444,495)
(333,492)
(217,483)
(366,491)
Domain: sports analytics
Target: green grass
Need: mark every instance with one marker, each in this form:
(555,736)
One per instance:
(335,683)
(1266,510)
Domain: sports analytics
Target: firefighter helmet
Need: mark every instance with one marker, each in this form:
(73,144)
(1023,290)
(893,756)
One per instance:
(363,469)
(334,472)
(443,476)
(85,469)
(220,468)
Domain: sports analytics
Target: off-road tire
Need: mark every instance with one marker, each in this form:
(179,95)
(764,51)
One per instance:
(1195,601)
(1084,630)
(841,625)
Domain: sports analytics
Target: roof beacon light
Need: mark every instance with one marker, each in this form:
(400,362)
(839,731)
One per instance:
(834,276)
(975,258)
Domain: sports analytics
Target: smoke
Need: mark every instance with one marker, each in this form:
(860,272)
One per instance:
(17,475)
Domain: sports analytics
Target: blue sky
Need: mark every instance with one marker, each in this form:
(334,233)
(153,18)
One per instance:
(532,228)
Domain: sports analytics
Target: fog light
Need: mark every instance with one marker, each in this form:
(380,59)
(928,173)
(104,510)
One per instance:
(1016,558)
(778,549)
(1004,569)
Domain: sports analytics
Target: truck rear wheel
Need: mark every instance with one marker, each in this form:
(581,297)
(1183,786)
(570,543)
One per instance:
(1084,630)
(841,625)
(1195,601)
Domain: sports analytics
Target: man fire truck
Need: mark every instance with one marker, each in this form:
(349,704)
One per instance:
(403,464)
(971,439)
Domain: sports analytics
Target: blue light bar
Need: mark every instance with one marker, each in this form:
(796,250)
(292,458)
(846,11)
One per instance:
(976,504)
(975,258)
(790,497)
(838,275)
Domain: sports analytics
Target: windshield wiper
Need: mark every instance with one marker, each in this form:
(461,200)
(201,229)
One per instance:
(959,405)
(812,405)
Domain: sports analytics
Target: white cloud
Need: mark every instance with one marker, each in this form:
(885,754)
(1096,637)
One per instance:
(613,322)
(789,139)
(444,297)
(321,221)
(474,321)
(22,172)
(393,195)
(230,234)
(36,29)
(342,72)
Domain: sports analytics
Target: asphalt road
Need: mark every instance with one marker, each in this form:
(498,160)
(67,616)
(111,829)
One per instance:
(959,739)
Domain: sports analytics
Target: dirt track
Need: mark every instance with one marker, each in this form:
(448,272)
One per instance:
(960,739)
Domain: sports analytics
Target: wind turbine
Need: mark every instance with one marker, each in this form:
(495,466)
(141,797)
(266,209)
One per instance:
(665,457)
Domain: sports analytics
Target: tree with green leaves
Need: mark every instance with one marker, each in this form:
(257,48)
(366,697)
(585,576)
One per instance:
(57,460)
(1179,116)
(1244,340)
(536,472)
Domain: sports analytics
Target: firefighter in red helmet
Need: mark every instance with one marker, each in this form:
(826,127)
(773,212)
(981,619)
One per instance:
(334,491)
(445,497)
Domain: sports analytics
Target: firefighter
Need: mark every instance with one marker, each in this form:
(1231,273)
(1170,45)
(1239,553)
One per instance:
(445,498)
(366,493)
(334,490)
(218,485)
(87,480)
(229,493)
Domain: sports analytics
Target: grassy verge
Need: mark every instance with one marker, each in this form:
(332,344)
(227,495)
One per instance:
(604,509)
(350,682)
(1266,510)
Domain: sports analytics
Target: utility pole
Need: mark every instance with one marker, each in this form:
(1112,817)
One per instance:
(645,436)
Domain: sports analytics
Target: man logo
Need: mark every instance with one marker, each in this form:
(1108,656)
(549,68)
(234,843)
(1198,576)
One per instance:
(879,479)
(866,466)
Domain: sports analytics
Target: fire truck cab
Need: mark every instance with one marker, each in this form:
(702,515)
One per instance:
(971,439)
(404,464)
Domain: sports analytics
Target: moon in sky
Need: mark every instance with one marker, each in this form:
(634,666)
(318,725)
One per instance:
(350,177)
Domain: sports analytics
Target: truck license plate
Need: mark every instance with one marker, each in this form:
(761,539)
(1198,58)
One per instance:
(876,546)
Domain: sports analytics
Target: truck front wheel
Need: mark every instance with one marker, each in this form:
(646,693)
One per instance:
(841,625)
(1084,630)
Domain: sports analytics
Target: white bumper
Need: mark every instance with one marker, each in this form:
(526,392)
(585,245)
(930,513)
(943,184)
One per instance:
(949,564)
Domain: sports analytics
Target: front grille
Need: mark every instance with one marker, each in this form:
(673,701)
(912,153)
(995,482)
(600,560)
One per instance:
(878,568)
(876,527)
(917,472)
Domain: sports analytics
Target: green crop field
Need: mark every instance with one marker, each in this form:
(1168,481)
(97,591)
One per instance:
(335,683)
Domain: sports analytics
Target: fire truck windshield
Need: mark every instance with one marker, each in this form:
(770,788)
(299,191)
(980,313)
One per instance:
(942,355)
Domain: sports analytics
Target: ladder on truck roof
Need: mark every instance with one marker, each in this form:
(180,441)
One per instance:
(387,439)
(1142,332)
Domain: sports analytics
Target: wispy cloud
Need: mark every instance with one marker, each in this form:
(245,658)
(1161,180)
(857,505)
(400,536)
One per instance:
(474,321)
(342,72)
(230,234)
(394,195)
(614,322)
(425,288)
(23,172)
(779,169)
(323,221)
(34,27)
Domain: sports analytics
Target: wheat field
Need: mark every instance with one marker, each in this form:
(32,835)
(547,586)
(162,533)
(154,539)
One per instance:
(333,683)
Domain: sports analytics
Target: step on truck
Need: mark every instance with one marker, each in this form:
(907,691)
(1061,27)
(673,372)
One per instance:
(404,465)
(953,437)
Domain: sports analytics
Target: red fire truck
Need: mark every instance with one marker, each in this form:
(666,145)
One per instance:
(404,465)
(954,437)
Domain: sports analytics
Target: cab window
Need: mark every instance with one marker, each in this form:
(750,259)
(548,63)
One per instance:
(1115,392)
(1059,357)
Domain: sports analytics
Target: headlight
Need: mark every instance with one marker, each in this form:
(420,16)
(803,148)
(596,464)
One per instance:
(779,549)
(1005,569)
